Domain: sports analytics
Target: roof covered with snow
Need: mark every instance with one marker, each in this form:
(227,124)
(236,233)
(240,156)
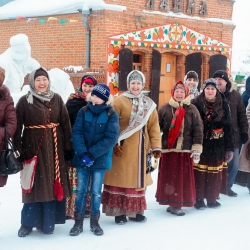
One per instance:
(34,8)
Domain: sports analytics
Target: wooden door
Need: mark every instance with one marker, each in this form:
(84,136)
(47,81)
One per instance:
(168,73)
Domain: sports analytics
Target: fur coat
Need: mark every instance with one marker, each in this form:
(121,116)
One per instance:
(124,172)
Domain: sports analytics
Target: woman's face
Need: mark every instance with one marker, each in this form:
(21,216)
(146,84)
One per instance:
(191,83)
(41,83)
(135,87)
(179,95)
(87,88)
(210,92)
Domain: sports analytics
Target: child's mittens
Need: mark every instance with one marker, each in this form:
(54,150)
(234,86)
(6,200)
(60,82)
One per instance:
(87,161)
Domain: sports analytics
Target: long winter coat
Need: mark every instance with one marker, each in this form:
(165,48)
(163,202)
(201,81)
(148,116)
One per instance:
(7,117)
(244,164)
(27,143)
(238,114)
(214,147)
(95,133)
(191,134)
(124,172)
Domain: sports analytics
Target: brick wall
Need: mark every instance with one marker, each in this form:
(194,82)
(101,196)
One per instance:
(60,45)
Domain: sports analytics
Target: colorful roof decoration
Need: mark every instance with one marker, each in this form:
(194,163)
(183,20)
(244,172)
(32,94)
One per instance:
(172,35)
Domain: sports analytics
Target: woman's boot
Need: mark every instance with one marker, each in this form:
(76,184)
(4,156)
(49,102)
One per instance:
(78,226)
(94,225)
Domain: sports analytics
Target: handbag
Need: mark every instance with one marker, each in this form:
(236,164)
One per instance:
(248,152)
(11,162)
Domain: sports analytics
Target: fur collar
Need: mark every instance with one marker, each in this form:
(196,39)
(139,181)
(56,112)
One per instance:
(4,92)
(176,104)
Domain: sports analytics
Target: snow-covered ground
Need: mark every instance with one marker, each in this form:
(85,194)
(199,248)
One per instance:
(226,228)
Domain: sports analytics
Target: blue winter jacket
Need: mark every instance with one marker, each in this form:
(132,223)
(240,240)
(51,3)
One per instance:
(95,133)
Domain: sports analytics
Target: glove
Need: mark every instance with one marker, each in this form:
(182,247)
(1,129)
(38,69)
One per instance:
(87,161)
(229,156)
(196,156)
(68,155)
(157,154)
(117,150)
(244,137)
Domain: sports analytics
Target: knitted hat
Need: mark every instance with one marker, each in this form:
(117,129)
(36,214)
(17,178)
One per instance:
(222,74)
(41,72)
(102,91)
(191,74)
(211,82)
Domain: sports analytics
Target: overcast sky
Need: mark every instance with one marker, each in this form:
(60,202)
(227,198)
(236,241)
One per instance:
(241,17)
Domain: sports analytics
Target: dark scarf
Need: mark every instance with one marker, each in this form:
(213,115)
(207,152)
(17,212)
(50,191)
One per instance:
(75,102)
(208,117)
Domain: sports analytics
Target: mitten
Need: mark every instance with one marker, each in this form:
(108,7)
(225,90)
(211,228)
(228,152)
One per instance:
(117,150)
(229,156)
(68,155)
(87,161)
(157,154)
(196,156)
(244,137)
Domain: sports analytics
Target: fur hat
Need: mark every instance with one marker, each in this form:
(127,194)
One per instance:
(222,74)
(41,72)
(102,91)
(211,82)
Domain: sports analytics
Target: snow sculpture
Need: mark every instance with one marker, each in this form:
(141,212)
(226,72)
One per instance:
(17,62)
(60,83)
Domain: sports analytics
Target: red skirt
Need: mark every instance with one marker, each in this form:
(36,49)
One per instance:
(176,186)
(123,201)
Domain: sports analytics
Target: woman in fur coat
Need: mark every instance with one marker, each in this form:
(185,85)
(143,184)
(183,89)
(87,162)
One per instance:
(218,144)
(182,136)
(7,117)
(126,182)
(43,131)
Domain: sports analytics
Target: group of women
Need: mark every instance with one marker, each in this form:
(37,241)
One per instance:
(192,138)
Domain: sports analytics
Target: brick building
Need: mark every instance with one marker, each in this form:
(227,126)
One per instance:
(162,38)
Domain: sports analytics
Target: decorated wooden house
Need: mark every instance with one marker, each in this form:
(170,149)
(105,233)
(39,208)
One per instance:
(162,38)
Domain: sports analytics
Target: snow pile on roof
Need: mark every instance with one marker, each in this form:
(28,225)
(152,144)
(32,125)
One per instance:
(34,8)
(75,69)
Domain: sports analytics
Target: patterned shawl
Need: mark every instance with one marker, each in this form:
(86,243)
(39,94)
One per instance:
(142,108)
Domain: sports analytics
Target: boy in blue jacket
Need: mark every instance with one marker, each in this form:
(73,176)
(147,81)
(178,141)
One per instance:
(94,135)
